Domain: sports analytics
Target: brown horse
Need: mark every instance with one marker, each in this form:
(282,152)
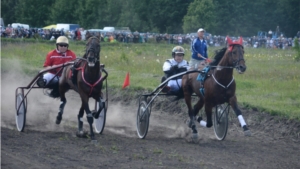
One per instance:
(88,84)
(219,86)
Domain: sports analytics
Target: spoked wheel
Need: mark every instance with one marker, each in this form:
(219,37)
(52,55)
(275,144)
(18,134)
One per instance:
(20,112)
(99,123)
(220,120)
(142,120)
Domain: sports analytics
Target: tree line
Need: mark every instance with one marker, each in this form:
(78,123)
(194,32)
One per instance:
(219,17)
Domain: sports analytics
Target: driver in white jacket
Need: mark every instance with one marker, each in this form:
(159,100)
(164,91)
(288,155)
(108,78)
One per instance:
(174,66)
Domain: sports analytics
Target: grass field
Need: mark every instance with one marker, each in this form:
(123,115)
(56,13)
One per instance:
(271,82)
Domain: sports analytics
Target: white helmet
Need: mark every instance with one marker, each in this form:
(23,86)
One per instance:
(62,39)
(177,49)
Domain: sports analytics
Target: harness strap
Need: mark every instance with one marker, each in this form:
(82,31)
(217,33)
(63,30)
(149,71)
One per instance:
(225,87)
(91,85)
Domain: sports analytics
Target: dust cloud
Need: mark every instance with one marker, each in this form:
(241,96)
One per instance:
(42,110)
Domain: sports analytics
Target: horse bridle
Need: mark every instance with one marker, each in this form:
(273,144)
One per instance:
(240,53)
(235,62)
(91,49)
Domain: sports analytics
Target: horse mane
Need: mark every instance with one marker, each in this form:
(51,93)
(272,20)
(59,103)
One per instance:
(218,56)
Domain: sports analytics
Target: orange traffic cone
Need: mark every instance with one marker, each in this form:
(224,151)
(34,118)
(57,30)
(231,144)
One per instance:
(126,81)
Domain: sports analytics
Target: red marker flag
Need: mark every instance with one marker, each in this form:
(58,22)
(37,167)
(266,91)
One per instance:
(126,81)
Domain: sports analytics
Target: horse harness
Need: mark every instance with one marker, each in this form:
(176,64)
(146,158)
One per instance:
(204,74)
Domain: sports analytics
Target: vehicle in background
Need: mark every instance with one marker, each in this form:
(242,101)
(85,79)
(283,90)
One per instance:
(101,31)
(19,25)
(1,22)
(117,29)
(67,26)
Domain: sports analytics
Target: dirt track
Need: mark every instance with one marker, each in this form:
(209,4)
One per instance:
(275,142)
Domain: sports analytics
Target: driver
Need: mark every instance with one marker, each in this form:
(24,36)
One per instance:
(174,66)
(55,57)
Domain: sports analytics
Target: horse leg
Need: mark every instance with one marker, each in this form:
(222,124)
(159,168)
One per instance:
(208,111)
(197,108)
(80,132)
(89,116)
(188,101)
(238,112)
(63,102)
(63,88)
(187,91)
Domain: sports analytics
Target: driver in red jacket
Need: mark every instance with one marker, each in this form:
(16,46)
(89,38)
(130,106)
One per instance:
(55,57)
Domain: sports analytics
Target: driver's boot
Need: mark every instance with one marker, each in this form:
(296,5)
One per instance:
(55,91)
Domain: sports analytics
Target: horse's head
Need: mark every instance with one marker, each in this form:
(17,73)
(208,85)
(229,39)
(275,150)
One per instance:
(92,52)
(236,54)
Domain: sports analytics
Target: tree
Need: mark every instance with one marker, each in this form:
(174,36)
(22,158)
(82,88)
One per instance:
(289,20)
(64,11)
(8,11)
(201,13)
(129,18)
(32,12)
(162,15)
(90,13)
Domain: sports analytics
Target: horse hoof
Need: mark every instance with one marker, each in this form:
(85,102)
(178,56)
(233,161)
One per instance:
(58,119)
(194,138)
(95,115)
(94,141)
(195,135)
(81,134)
(247,133)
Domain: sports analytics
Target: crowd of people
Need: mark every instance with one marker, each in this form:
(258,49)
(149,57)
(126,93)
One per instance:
(267,40)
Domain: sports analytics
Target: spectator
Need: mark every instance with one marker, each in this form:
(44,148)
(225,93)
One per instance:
(277,32)
(62,32)
(75,34)
(179,40)
(199,50)
(82,33)
(78,34)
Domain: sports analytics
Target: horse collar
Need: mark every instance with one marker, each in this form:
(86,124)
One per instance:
(91,85)
(225,87)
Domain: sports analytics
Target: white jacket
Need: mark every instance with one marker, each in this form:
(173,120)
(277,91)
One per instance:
(171,62)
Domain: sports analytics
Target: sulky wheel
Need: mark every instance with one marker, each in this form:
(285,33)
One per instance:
(20,112)
(142,120)
(99,123)
(220,121)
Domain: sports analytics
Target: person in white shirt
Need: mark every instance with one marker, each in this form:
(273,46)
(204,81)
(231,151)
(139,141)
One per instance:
(174,66)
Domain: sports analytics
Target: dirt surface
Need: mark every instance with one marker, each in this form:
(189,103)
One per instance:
(275,142)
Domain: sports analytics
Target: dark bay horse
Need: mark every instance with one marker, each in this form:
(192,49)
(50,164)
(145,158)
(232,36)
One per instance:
(219,86)
(88,84)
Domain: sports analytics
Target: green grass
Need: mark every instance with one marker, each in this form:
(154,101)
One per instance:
(271,82)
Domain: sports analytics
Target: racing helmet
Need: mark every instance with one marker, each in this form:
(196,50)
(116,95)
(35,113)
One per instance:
(63,40)
(177,49)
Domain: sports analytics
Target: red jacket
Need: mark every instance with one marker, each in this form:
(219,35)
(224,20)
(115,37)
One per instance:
(54,57)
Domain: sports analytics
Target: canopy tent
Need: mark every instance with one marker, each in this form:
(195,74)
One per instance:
(50,27)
